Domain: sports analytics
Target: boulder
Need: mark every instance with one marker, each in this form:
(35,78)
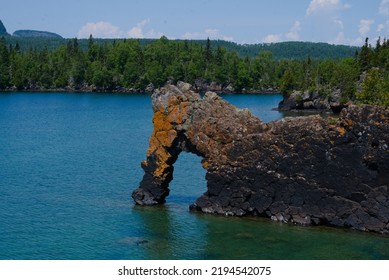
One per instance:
(299,101)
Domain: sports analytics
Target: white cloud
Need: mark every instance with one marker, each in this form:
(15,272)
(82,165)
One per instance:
(317,5)
(292,35)
(138,31)
(364,26)
(99,29)
(294,32)
(104,29)
(207,33)
(324,5)
(228,38)
(324,21)
(212,32)
(384,7)
(272,38)
(383,27)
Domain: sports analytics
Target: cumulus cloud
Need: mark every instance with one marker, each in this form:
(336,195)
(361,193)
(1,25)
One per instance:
(364,29)
(324,21)
(272,38)
(207,33)
(326,5)
(292,35)
(380,27)
(101,29)
(364,26)
(384,7)
(317,5)
(383,27)
(294,32)
(104,29)
(228,38)
(137,31)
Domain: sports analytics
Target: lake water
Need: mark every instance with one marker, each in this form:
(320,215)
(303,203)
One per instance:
(68,165)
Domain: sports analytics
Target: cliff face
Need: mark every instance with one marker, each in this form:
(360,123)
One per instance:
(302,170)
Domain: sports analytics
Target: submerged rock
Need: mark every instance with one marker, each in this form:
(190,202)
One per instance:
(305,170)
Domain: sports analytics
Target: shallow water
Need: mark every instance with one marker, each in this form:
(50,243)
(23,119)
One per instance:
(68,165)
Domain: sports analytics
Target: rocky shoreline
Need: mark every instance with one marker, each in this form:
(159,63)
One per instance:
(305,170)
(200,85)
(312,101)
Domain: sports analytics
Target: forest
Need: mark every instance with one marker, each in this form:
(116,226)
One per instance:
(134,65)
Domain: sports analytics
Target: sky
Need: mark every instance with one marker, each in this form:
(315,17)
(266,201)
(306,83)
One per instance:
(344,22)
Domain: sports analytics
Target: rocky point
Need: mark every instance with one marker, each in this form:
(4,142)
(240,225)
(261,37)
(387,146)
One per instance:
(305,170)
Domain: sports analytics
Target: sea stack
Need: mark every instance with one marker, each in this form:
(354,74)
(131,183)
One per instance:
(304,170)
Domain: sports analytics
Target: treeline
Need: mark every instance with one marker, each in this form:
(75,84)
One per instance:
(127,64)
(281,50)
(291,50)
(363,78)
(374,68)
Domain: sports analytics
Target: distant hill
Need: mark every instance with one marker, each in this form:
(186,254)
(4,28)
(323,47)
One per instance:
(290,50)
(35,34)
(3,30)
(27,39)
(284,50)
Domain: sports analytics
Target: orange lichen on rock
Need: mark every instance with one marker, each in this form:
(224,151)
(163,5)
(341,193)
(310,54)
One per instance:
(342,131)
(163,157)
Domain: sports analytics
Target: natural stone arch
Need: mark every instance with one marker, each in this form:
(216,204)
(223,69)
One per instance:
(303,170)
(167,141)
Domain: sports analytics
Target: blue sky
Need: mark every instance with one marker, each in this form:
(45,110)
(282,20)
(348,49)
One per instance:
(243,21)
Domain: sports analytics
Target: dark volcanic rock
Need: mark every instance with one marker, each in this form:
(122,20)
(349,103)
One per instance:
(305,170)
(312,101)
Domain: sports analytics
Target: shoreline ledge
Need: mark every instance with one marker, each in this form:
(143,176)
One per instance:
(302,170)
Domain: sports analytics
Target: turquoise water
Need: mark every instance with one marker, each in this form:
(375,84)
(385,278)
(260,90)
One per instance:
(68,165)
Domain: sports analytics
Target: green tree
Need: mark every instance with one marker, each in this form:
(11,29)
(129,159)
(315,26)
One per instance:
(243,80)
(263,71)
(365,56)
(4,64)
(287,83)
(375,89)
(345,77)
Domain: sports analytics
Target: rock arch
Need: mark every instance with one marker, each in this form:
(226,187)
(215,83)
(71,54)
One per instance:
(302,170)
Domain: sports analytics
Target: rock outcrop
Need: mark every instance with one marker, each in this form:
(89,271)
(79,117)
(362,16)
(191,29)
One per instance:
(305,170)
(306,101)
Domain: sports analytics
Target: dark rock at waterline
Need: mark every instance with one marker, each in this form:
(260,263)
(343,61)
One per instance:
(305,170)
(301,101)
